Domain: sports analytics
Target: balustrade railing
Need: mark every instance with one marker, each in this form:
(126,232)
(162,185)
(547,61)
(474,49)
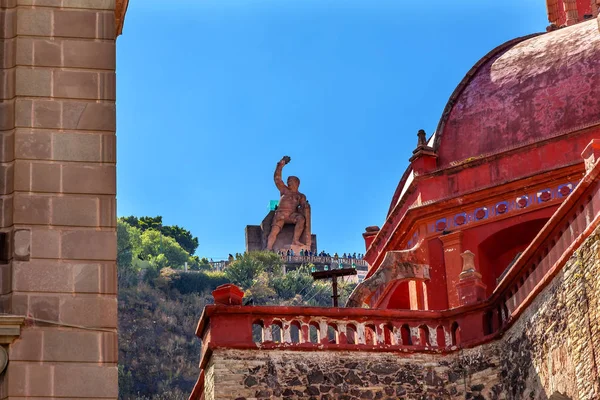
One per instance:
(296,259)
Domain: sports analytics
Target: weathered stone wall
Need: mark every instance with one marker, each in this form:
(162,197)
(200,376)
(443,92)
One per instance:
(552,348)
(57,187)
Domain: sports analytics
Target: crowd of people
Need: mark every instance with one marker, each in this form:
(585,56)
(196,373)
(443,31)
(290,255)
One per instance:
(309,253)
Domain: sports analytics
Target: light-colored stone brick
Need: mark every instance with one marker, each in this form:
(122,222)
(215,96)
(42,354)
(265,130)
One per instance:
(89,245)
(31,209)
(86,54)
(75,211)
(81,381)
(34,21)
(89,116)
(22,175)
(33,82)
(33,144)
(7,111)
(89,310)
(45,177)
(7,84)
(84,147)
(92,179)
(72,23)
(76,84)
(47,53)
(8,23)
(43,276)
(47,114)
(91,4)
(45,243)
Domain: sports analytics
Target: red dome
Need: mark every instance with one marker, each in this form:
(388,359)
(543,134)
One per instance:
(527,90)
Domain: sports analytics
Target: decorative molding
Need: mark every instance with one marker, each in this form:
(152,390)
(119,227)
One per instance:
(120,10)
(10,328)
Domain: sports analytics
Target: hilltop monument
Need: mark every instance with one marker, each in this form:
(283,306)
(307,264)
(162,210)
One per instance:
(288,226)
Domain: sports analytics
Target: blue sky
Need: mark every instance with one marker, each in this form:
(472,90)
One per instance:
(212,93)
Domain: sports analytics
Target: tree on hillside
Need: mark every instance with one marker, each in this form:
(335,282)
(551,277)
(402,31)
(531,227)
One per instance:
(155,244)
(184,237)
(129,245)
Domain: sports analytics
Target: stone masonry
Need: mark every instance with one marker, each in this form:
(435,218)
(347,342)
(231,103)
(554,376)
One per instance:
(551,350)
(57,196)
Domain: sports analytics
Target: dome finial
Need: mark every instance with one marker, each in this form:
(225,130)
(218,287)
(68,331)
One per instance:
(422,138)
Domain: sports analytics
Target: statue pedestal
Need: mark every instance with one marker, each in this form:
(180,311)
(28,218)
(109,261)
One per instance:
(256,237)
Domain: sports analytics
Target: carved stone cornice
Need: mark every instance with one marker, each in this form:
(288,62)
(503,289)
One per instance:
(120,10)
(10,328)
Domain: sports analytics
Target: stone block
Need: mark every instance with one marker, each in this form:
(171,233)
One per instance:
(108,86)
(7,84)
(43,276)
(22,241)
(89,310)
(76,84)
(44,307)
(22,175)
(106,25)
(45,177)
(107,210)
(89,245)
(45,243)
(81,381)
(6,276)
(33,144)
(95,277)
(6,178)
(29,379)
(97,179)
(75,211)
(75,23)
(24,50)
(89,116)
(7,115)
(46,114)
(83,347)
(109,148)
(34,21)
(33,82)
(28,347)
(86,54)
(31,209)
(84,147)
(40,3)
(6,214)
(8,50)
(46,53)
(8,26)
(92,4)
(7,146)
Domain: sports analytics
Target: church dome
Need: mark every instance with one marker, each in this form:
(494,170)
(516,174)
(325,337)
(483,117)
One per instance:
(527,90)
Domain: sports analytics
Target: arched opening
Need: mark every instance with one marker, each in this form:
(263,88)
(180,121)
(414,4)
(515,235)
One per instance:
(455,333)
(388,334)
(296,332)
(332,333)
(257,331)
(277,331)
(314,333)
(351,334)
(400,298)
(370,335)
(405,335)
(441,336)
(424,335)
(494,260)
(488,323)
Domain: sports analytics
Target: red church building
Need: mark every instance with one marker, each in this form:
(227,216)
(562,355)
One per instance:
(483,279)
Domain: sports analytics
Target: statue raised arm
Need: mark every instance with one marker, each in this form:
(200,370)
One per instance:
(292,207)
(278,170)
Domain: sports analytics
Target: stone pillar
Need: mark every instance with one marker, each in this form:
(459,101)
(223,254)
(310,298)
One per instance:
(57,130)
(553,12)
(470,287)
(452,248)
(571,12)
